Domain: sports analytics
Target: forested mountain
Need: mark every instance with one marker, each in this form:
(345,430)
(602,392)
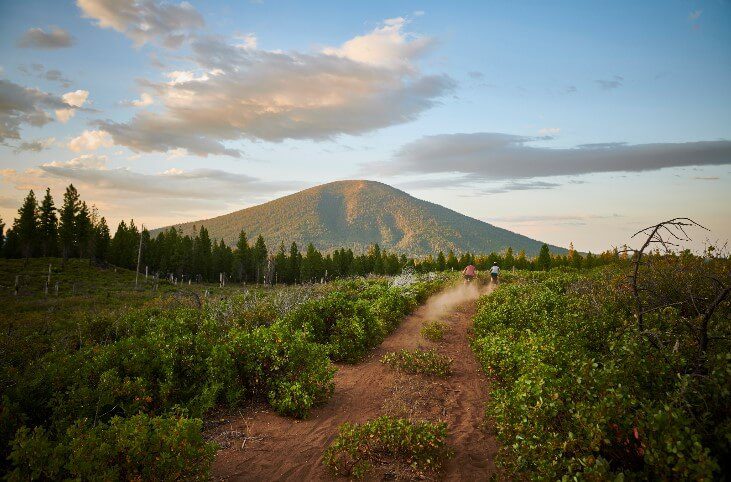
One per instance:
(357,214)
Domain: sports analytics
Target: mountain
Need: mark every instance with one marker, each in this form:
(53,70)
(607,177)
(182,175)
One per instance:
(356,214)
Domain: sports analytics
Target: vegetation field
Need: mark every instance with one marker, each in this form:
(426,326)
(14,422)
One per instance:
(107,381)
(585,390)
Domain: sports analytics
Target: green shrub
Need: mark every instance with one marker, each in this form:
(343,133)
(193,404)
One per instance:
(135,448)
(433,330)
(421,446)
(425,362)
(580,394)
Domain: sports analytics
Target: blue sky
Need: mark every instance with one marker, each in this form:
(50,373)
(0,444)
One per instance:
(174,111)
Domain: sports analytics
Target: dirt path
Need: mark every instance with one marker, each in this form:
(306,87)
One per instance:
(280,448)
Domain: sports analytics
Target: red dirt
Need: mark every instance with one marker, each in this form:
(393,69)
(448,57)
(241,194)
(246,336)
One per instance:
(266,446)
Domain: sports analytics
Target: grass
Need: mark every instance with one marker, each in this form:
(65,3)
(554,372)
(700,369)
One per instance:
(420,447)
(423,362)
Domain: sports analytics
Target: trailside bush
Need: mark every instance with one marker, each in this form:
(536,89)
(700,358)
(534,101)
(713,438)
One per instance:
(433,330)
(135,448)
(424,362)
(422,446)
(580,394)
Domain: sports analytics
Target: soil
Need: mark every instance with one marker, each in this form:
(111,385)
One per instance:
(261,445)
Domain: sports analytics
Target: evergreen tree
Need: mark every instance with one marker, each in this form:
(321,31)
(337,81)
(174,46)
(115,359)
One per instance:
(295,261)
(452,262)
(281,267)
(521,262)
(202,262)
(441,262)
(101,240)
(243,257)
(48,224)
(544,258)
(2,236)
(67,221)
(26,225)
(509,260)
(312,265)
(259,255)
(84,230)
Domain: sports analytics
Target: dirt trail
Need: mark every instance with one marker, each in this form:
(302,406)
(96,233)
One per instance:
(280,448)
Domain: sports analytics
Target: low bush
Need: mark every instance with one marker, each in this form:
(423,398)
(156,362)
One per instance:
(424,362)
(420,446)
(433,330)
(135,448)
(580,393)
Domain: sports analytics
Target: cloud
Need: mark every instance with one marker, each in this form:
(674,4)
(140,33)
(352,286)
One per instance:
(570,89)
(236,92)
(167,197)
(37,145)
(519,186)
(549,131)
(53,75)
(21,105)
(695,15)
(37,38)
(74,99)
(492,156)
(609,84)
(476,75)
(706,178)
(565,220)
(143,21)
(90,141)
(144,100)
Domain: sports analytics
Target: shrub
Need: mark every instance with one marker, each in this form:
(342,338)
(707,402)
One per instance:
(433,330)
(422,446)
(581,394)
(135,448)
(426,362)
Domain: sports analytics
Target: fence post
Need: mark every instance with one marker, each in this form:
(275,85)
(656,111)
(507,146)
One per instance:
(17,285)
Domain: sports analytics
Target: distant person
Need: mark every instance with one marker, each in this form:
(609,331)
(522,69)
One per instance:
(469,273)
(494,272)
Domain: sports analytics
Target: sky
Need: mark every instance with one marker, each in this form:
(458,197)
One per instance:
(570,122)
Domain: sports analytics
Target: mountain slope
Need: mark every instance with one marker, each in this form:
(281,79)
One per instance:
(357,214)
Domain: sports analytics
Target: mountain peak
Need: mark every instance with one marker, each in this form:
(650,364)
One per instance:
(357,213)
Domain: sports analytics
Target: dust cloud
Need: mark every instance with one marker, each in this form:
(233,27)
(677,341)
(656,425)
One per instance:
(440,304)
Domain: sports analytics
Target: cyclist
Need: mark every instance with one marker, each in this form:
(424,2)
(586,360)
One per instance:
(469,273)
(494,272)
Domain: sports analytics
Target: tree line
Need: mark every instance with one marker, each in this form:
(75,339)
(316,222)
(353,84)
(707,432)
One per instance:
(77,231)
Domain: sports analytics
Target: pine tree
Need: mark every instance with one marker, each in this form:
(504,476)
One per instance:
(509,261)
(2,236)
(26,225)
(295,261)
(67,221)
(202,262)
(243,256)
(259,255)
(544,258)
(441,262)
(84,231)
(48,224)
(101,240)
(281,267)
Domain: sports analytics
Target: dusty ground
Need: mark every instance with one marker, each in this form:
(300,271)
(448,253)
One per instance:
(265,446)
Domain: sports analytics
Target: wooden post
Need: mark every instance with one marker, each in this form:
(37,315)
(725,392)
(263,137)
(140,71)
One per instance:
(139,257)
(56,288)
(48,281)
(146,271)
(45,290)
(17,284)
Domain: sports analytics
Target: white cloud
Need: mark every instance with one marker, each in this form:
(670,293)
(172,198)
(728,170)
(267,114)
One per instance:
(370,82)
(37,145)
(90,141)
(695,15)
(84,161)
(144,100)
(75,99)
(144,21)
(386,46)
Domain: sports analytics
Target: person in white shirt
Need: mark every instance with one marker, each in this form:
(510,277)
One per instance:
(494,271)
